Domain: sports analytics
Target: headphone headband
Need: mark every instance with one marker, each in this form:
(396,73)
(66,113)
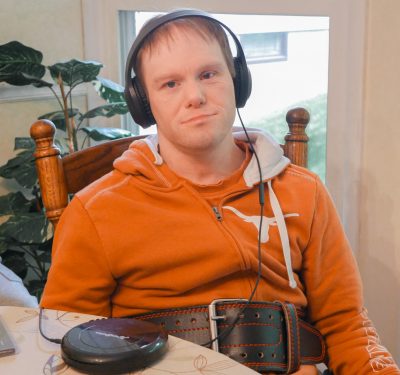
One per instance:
(134,93)
(155,23)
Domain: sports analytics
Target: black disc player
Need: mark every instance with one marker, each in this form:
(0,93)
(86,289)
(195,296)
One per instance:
(113,345)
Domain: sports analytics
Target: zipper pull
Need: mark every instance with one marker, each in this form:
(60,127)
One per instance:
(217,213)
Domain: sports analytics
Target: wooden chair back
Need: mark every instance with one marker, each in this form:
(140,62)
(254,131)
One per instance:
(61,176)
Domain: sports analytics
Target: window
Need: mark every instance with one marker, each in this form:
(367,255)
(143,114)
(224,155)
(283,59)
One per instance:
(288,60)
(345,73)
(264,47)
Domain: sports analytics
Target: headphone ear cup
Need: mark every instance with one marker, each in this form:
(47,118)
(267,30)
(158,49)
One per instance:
(241,82)
(138,104)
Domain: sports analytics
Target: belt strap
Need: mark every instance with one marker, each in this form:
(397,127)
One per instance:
(265,336)
(292,337)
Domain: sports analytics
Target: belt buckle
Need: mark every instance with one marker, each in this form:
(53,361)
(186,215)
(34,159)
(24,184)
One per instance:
(213,317)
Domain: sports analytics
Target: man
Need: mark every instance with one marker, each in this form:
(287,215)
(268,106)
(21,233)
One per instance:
(178,224)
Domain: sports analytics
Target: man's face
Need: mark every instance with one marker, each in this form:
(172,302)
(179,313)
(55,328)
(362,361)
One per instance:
(191,93)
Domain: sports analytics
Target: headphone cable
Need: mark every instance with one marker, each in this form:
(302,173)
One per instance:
(229,329)
(56,341)
(224,333)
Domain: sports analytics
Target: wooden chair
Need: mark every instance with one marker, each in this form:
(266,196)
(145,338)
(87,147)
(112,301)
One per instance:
(61,176)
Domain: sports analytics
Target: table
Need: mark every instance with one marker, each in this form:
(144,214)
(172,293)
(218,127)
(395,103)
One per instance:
(36,355)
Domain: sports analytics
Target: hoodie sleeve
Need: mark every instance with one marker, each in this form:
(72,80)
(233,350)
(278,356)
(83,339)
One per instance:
(334,293)
(79,278)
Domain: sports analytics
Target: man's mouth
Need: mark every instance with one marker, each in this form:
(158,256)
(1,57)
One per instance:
(198,118)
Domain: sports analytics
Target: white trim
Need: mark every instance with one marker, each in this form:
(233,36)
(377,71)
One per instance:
(345,112)
(345,98)
(10,93)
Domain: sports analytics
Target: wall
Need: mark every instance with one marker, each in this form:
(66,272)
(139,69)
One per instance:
(379,255)
(55,29)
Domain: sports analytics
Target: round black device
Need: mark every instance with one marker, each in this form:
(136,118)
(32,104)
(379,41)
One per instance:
(113,345)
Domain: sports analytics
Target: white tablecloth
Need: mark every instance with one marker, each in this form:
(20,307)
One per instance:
(36,355)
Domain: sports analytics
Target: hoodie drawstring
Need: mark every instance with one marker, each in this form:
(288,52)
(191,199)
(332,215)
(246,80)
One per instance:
(283,234)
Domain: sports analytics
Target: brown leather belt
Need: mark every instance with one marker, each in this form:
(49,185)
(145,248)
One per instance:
(265,336)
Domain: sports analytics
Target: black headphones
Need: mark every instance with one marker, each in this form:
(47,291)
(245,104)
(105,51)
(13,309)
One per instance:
(136,99)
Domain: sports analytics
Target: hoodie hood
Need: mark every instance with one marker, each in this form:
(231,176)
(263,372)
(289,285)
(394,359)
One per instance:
(143,159)
(270,155)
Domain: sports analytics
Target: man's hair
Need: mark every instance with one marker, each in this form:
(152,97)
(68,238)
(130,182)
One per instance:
(206,28)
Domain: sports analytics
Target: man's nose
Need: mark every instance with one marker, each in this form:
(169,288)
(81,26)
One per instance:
(195,95)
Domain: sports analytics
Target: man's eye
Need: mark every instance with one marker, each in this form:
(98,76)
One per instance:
(170,84)
(207,75)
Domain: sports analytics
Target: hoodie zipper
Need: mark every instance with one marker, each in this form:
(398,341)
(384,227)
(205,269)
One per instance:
(217,213)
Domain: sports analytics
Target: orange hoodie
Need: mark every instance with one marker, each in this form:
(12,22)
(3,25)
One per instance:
(141,239)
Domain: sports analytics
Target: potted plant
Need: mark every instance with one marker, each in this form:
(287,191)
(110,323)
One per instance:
(25,233)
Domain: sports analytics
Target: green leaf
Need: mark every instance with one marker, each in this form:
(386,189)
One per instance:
(24,143)
(58,118)
(110,91)
(44,257)
(22,168)
(46,246)
(36,286)
(37,82)
(3,246)
(102,134)
(62,144)
(26,228)
(107,110)
(18,60)
(74,72)
(13,203)
(16,262)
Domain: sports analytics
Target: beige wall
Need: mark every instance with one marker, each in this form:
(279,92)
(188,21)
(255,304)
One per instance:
(379,255)
(54,27)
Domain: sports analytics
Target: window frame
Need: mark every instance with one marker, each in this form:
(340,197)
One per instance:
(345,82)
(281,53)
